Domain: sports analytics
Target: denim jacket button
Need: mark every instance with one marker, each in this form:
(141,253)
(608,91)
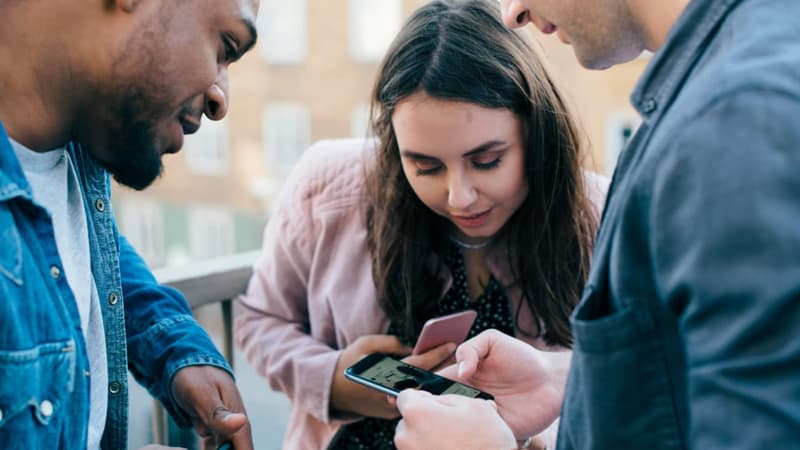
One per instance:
(100,205)
(113,298)
(114,387)
(46,407)
(55,272)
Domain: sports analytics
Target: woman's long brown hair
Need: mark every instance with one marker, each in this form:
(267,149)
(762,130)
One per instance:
(460,50)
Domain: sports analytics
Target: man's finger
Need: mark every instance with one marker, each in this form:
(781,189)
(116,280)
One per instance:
(234,428)
(225,422)
(450,372)
(473,351)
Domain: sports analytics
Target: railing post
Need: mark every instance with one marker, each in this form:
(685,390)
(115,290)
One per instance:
(227,331)
(159,424)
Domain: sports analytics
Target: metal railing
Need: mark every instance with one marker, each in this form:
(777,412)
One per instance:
(218,280)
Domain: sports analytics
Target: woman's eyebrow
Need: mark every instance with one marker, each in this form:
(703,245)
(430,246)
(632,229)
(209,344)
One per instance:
(416,155)
(486,146)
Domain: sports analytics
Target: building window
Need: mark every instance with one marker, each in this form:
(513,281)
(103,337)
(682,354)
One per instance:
(207,150)
(373,25)
(143,225)
(211,232)
(283,31)
(620,128)
(287,133)
(359,120)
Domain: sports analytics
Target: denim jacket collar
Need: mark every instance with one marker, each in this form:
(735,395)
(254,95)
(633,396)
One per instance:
(673,62)
(12,180)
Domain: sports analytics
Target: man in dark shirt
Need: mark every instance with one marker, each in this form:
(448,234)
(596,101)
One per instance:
(687,335)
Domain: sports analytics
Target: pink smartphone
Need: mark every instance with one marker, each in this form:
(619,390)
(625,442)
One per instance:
(441,330)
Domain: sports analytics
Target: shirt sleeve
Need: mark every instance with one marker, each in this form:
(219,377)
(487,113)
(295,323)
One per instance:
(162,335)
(725,234)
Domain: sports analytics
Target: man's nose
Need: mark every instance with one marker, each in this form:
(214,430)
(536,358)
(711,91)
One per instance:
(515,14)
(216,99)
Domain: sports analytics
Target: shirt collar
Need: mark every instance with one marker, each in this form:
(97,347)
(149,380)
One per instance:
(671,64)
(12,180)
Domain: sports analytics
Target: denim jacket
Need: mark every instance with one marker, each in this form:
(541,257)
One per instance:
(687,335)
(44,369)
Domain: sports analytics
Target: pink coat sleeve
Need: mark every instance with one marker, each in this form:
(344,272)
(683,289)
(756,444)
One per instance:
(273,327)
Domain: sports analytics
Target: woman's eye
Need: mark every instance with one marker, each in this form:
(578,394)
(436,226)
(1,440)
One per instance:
(486,163)
(427,167)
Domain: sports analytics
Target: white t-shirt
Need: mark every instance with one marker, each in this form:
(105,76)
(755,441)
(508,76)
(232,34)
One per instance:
(55,186)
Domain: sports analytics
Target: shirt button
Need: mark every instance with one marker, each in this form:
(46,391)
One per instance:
(46,408)
(114,387)
(86,373)
(649,106)
(55,272)
(113,298)
(100,205)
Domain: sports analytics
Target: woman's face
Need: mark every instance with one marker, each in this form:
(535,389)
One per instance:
(464,161)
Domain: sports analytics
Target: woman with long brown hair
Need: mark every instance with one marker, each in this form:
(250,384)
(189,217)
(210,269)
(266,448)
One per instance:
(470,196)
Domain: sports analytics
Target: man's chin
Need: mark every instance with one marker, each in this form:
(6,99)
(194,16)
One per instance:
(136,177)
(599,60)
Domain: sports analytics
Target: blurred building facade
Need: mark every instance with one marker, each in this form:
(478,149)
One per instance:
(309,78)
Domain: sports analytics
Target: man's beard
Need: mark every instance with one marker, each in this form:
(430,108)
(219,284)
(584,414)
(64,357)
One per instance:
(134,160)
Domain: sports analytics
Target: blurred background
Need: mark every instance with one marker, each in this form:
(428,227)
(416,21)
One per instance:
(309,78)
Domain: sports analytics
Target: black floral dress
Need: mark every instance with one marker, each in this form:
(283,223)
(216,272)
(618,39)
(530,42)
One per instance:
(493,312)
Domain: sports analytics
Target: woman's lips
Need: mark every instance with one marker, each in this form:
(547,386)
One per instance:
(472,221)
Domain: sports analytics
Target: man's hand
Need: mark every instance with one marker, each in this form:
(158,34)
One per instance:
(449,422)
(210,398)
(527,384)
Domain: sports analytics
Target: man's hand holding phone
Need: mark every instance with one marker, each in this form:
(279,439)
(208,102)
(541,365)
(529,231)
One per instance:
(447,422)
(350,397)
(527,383)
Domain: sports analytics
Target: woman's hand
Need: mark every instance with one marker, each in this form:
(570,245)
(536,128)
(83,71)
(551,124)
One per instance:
(347,396)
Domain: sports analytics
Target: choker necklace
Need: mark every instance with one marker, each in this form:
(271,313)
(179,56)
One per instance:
(467,245)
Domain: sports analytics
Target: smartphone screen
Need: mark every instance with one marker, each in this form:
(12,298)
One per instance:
(390,375)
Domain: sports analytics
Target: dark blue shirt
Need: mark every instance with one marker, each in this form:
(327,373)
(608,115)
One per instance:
(688,334)
(44,369)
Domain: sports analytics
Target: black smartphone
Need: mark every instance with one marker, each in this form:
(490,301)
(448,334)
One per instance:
(390,375)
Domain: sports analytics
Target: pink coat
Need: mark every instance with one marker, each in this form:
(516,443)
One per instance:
(312,293)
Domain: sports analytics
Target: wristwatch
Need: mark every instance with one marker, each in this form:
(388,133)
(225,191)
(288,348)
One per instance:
(527,444)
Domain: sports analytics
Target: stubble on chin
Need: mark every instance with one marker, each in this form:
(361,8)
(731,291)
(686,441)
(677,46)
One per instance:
(133,158)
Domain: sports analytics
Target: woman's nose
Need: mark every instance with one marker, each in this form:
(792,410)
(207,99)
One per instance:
(461,194)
